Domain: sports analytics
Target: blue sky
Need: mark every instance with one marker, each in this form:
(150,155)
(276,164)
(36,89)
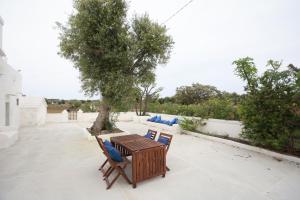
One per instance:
(209,35)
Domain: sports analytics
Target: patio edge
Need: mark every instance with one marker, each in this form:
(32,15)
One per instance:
(275,155)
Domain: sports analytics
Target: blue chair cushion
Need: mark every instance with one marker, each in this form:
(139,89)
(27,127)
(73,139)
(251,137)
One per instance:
(114,154)
(163,140)
(107,143)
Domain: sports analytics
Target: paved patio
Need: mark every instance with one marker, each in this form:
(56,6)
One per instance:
(56,161)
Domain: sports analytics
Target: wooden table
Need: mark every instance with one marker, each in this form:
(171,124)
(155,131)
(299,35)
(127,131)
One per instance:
(148,156)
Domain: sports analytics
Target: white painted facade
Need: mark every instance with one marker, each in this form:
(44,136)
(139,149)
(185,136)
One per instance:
(10,93)
(33,111)
(1,27)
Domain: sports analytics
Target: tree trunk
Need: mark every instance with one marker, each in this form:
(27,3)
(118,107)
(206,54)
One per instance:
(136,107)
(101,120)
(145,105)
(141,106)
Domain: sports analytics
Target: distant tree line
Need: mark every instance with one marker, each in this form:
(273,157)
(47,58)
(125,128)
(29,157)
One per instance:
(74,104)
(199,100)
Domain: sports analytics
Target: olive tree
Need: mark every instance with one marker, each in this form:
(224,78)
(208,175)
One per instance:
(112,52)
(146,91)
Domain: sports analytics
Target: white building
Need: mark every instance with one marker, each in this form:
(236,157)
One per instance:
(33,111)
(10,94)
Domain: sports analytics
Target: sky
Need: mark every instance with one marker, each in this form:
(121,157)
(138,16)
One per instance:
(208,34)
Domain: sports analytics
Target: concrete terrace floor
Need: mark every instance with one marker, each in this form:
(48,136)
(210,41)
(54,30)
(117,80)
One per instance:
(56,161)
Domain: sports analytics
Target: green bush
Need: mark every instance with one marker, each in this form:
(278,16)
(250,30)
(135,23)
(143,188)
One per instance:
(270,111)
(213,108)
(191,124)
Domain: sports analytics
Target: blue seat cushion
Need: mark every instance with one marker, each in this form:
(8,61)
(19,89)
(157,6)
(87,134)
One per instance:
(163,140)
(114,154)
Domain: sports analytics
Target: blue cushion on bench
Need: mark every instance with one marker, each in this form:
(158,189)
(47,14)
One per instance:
(165,122)
(163,140)
(152,119)
(158,119)
(173,121)
(114,154)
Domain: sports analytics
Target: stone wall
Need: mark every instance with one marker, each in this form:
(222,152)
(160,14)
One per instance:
(57,117)
(213,126)
(229,128)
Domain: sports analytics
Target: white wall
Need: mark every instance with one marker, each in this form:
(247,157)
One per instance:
(57,117)
(91,116)
(222,127)
(213,126)
(86,117)
(8,136)
(33,111)
(10,92)
(1,32)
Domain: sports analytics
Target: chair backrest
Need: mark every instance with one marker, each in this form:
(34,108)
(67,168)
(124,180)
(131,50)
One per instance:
(105,152)
(153,134)
(99,140)
(168,137)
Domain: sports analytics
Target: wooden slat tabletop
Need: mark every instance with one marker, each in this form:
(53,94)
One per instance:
(135,142)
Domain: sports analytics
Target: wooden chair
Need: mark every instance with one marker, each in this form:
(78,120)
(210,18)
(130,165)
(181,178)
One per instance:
(153,134)
(118,166)
(168,137)
(106,161)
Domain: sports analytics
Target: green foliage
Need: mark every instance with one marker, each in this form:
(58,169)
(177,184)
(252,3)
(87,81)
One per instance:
(90,106)
(216,108)
(195,94)
(269,110)
(146,91)
(111,53)
(166,100)
(74,104)
(111,123)
(191,124)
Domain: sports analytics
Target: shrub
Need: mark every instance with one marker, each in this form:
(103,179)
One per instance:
(191,124)
(214,108)
(268,111)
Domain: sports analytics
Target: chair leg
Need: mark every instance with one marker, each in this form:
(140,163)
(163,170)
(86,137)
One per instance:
(113,181)
(168,169)
(120,172)
(101,167)
(105,173)
(124,175)
(110,171)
